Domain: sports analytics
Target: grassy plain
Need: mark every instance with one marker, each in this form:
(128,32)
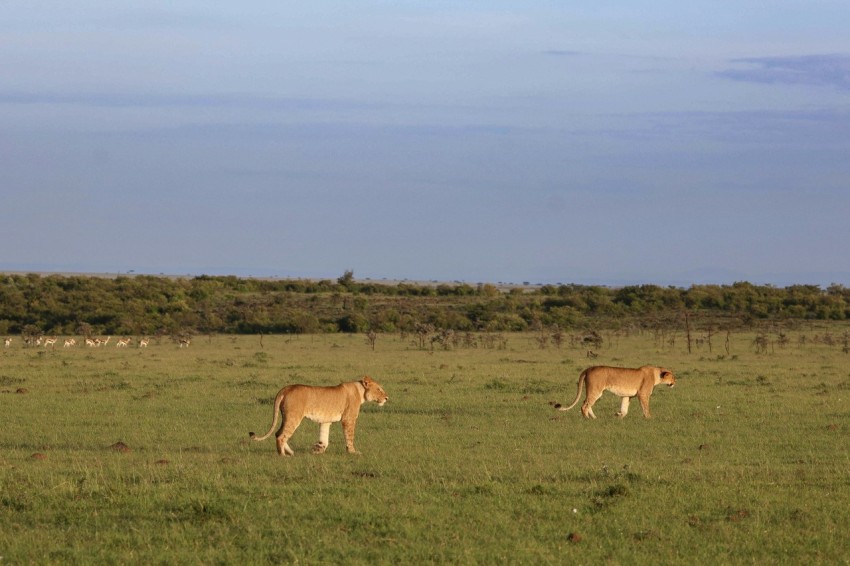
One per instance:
(745,461)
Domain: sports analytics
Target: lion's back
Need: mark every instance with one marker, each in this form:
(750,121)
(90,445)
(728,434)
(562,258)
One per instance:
(620,381)
(318,403)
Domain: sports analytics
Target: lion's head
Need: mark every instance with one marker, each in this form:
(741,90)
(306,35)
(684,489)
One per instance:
(374,391)
(667,377)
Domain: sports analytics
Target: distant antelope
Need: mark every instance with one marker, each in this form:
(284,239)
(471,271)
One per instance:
(122,343)
(7,342)
(69,342)
(99,342)
(143,343)
(90,343)
(50,342)
(184,342)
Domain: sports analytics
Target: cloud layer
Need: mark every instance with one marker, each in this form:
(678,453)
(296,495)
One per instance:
(483,141)
(831,70)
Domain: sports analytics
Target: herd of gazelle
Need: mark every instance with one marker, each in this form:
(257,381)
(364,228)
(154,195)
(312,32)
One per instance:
(50,341)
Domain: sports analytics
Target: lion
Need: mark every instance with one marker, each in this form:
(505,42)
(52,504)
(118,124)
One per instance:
(323,405)
(625,382)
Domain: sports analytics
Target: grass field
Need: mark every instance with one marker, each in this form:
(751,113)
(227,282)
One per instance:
(141,456)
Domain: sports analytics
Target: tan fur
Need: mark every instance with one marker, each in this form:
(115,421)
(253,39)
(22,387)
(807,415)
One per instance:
(625,382)
(323,405)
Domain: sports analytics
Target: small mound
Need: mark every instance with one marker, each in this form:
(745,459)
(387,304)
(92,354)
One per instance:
(120,447)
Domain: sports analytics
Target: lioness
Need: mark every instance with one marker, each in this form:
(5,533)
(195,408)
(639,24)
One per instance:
(323,405)
(625,382)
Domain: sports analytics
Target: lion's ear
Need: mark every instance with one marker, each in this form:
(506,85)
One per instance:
(365,380)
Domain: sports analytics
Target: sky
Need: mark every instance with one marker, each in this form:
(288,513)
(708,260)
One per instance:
(607,143)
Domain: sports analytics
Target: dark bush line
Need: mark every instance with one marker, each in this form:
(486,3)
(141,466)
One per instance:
(144,304)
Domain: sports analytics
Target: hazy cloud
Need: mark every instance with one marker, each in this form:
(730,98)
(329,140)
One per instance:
(562,53)
(160,18)
(125,100)
(818,70)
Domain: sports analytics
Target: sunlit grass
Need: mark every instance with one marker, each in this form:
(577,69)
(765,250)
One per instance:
(745,460)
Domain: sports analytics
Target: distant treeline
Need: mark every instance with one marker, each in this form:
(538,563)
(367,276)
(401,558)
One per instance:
(148,305)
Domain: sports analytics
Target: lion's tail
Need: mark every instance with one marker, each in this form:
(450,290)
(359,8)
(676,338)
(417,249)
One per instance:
(581,379)
(278,400)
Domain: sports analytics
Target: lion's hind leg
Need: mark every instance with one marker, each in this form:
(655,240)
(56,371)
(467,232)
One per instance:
(587,407)
(287,429)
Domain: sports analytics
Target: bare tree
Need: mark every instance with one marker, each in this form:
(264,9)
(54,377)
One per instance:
(542,340)
(592,338)
(761,342)
(557,336)
(422,332)
(371,337)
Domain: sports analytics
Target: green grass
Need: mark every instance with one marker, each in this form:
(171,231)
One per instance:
(745,461)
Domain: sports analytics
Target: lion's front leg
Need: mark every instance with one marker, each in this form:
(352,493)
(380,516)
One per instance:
(324,438)
(644,404)
(624,407)
(348,428)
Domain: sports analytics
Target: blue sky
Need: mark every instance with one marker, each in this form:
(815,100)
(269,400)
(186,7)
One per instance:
(681,143)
